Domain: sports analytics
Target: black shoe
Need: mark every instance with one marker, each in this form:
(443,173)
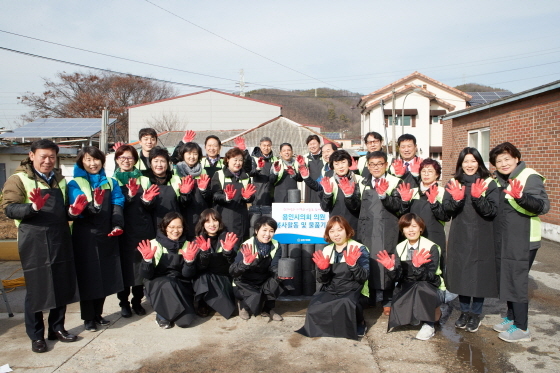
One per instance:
(203,311)
(39,346)
(62,336)
(90,325)
(461,323)
(126,312)
(362,328)
(101,321)
(473,323)
(163,323)
(140,311)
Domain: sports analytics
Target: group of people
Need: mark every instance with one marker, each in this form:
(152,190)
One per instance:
(176,228)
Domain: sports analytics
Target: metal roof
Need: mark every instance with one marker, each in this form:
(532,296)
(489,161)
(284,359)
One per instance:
(58,127)
(480,98)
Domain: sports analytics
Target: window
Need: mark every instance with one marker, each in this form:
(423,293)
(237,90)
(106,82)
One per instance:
(435,119)
(407,120)
(480,139)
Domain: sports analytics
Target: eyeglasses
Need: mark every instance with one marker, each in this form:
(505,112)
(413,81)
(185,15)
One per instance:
(373,142)
(126,159)
(376,165)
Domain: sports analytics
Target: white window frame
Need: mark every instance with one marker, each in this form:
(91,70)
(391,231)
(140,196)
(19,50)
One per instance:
(479,146)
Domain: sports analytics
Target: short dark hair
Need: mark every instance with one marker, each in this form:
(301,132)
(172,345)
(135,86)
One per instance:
(91,151)
(332,144)
(406,221)
(168,218)
(127,148)
(343,223)
(286,144)
(405,137)
(505,147)
(265,220)
(339,155)
(311,138)
(44,144)
(204,217)
(482,171)
(215,138)
(233,152)
(147,132)
(187,148)
(375,135)
(265,138)
(431,162)
(376,154)
(158,151)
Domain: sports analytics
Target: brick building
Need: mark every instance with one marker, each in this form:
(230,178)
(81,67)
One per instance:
(531,121)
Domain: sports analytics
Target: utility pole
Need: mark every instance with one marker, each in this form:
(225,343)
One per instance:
(394,135)
(241,83)
(103,135)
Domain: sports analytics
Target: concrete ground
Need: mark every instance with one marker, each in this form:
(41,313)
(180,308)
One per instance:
(214,344)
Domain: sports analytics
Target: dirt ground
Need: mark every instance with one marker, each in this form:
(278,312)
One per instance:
(8,230)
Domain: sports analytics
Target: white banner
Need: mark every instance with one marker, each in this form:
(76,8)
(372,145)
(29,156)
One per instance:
(303,223)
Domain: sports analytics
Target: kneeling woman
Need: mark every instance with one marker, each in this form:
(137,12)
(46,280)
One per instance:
(420,288)
(168,269)
(218,249)
(255,272)
(343,269)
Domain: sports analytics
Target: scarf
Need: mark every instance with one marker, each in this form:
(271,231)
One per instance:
(263,248)
(183,169)
(349,176)
(124,176)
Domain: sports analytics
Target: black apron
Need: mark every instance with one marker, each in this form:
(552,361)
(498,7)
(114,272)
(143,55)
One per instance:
(315,165)
(164,202)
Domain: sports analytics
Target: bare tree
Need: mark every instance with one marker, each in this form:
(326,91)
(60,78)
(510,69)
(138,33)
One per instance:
(167,122)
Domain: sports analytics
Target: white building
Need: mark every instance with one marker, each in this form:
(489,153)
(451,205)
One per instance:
(423,100)
(202,111)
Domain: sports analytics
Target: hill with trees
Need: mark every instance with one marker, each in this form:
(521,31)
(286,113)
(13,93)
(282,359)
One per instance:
(475,87)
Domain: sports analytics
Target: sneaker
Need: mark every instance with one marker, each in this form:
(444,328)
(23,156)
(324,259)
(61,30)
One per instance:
(473,323)
(426,332)
(275,316)
(514,334)
(361,330)
(504,325)
(461,322)
(163,323)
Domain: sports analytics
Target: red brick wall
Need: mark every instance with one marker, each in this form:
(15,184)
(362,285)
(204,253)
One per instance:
(531,124)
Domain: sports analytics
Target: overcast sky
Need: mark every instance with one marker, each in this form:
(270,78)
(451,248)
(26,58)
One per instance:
(354,45)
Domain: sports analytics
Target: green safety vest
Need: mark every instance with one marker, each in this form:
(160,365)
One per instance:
(222,177)
(358,182)
(162,250)
(142,180)
(362,163)
(328,250)
(140,165)
(403,254)
(86,187)
(439,197)
(391,179)
(487,181)
(206,163)
(29,184)
(275,246)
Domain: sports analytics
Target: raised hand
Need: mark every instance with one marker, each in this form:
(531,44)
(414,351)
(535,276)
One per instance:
(382,186)
(230,241)
(405,191)
(203,181)
(304,171)
(354,165)
(117,145)
(478,188)
(516,189)
(37,200)
(203,244)
(399,168)
(98,195)
(386,260)
(326,184)
(230,192)
(145,249)
(415,167)
(246,193)
(132,187)
(276,166)
(420,257)
(248,255)
(150,193)
(79,205)
(290,170)
(260,162)
(432,193)
(347,186)
(300,160)
(351,255)
(240,143)
(115,232)
(186,185)
(454,188)
(189,136)
(321,261)
(190,252)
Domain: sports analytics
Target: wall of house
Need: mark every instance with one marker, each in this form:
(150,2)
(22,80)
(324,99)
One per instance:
(532,125)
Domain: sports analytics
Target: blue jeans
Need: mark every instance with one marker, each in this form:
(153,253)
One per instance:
(466,306)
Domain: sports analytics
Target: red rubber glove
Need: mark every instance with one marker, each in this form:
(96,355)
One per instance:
(415,167)
(248,255)
(478,188)
(351,255)
(321,261)
(132,187)
(150,193)
(187,185)
(290,170)
(117,145)
(382,187)
(98,195)
(79,205)
(386,260)
(202,243)
(303,171)
(326,184)
(240,143)
(405,191)
(37,200)
(354,165)
(399,168)
(230,241)
(276,166)
(189,136)
(432,193)
(190,253)
(230,192)
(300,160)
(260,162)
(347,186)
(516,189)
(145,249)
(203,181)
(421,257)
(115,232)
(246,193)
(454,188)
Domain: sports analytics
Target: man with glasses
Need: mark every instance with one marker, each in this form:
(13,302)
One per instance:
(374,143)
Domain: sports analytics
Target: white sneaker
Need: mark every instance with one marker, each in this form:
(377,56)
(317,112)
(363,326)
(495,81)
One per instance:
(426,332)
